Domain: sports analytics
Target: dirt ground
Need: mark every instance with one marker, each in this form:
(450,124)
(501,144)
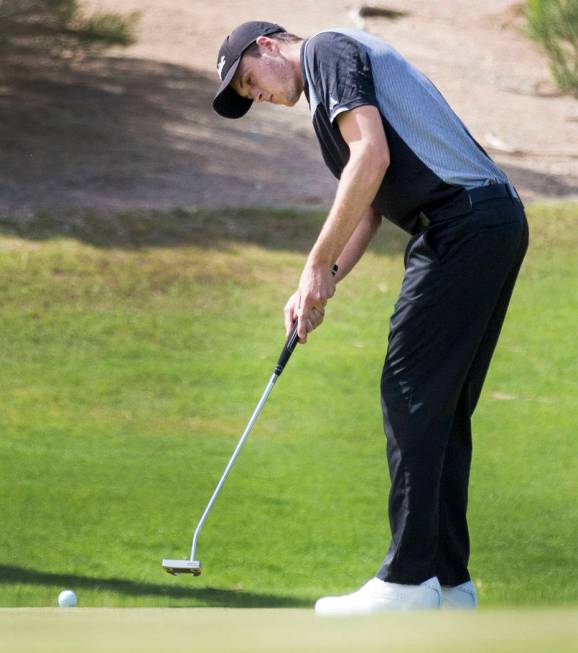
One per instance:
(134,128)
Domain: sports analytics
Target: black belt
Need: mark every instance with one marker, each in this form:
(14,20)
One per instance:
(474,196)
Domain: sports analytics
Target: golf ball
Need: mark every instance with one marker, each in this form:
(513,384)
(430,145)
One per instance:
(67,599)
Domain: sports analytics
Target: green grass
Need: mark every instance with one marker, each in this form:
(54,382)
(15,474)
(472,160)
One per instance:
(134,349)
(284,631)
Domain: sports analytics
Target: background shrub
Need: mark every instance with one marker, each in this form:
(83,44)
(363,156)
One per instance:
(554,25)
(59,27)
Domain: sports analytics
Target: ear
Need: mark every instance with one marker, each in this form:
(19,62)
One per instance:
(266,44)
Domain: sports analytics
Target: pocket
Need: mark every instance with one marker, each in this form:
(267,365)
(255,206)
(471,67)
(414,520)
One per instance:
(432,241)
(470,240)
(441,240)
(410,244)
(421,254)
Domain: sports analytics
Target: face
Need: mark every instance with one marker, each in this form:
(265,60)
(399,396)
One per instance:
(270,78)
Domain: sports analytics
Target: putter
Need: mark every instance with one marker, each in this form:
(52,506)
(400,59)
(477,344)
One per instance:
(193,566)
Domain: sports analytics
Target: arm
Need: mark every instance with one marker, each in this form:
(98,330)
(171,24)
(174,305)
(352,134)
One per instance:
(362,130)
(352,252)
(357,244)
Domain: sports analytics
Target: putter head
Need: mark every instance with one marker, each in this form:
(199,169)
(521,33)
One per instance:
(176,567)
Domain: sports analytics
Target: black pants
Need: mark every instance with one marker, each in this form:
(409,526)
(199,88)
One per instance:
(459,277)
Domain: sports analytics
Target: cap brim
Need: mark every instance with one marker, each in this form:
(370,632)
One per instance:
(228,103)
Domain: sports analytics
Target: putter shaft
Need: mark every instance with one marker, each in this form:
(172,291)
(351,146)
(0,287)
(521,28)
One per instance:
(192,565)
(245,435)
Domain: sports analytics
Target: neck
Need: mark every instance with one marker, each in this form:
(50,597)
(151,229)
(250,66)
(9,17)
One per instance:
(292,53)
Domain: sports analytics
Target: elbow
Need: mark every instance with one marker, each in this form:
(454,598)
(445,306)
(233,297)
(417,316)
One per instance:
(376,161)
(371,155)
(381,161)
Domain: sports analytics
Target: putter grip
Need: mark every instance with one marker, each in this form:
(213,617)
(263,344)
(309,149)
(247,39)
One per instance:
(292,341)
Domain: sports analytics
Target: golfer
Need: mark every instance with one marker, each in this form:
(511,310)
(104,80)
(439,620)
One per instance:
(400,152)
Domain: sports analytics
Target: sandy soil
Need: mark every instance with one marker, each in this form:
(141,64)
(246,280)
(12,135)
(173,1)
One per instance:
(134,128)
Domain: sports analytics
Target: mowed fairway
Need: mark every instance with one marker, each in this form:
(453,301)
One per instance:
(283,631)
(134,349)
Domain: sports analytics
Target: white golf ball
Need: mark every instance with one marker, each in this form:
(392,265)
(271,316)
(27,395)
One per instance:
(67,599)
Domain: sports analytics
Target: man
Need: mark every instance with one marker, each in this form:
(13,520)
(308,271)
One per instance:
(399,151)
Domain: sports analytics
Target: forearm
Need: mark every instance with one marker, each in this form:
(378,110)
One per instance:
(357,244)
(357,188)
(342,238)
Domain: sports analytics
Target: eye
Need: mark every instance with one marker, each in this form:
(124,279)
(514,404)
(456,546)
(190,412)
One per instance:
(248,84)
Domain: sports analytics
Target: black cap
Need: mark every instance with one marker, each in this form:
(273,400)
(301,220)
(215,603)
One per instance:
(228,103)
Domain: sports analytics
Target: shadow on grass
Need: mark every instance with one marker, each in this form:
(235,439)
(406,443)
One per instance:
(276,229)
(208,596)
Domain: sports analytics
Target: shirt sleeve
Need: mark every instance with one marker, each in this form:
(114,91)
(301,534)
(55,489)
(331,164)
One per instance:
(341,72)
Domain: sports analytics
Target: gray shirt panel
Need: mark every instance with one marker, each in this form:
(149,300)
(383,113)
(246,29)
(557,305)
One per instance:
(419,113)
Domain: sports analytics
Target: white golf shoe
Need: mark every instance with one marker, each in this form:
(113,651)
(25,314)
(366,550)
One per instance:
(380,596)
(460,597)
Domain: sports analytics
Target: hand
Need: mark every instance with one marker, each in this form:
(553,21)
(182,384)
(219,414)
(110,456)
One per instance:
(316,287)
(290,312)
(314,319)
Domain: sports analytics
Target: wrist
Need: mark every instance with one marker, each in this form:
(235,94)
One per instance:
(318,261)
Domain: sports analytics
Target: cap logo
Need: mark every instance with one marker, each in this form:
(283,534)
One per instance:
(220,66)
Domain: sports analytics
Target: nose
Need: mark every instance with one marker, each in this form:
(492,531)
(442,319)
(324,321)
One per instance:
(257,96)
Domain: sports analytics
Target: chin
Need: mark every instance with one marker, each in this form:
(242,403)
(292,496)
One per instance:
(291,102)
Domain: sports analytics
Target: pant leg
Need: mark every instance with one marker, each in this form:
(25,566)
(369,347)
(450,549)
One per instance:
(453,279)
(454,543)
